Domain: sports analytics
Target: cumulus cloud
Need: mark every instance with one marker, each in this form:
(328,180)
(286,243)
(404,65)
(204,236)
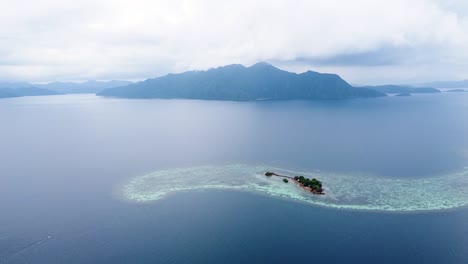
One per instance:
(363,40)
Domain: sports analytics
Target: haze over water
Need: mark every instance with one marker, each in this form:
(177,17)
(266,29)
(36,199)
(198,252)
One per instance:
(65,158)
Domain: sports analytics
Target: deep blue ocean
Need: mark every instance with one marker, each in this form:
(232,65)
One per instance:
(63,160)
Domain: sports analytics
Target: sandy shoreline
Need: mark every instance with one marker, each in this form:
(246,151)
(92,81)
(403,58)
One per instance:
(306,188)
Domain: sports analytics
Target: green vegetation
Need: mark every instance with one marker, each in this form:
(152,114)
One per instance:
(285,180)
(314,184)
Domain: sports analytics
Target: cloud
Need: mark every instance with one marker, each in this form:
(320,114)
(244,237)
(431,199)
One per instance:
(122,39)
(380,57)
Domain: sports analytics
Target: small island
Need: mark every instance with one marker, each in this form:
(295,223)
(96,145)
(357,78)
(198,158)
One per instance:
(312,185)
(403,94)
(457,91)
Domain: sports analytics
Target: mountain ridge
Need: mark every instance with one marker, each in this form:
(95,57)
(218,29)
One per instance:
(235,82)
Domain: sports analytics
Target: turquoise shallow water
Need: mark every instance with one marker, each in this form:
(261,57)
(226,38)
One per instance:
(353,191)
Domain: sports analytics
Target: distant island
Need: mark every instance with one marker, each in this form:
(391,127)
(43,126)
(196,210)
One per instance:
(20,91)
(457,91)
(261,81)
(402,89)
(92,87)
(446,84)
(312,185)
(403,94)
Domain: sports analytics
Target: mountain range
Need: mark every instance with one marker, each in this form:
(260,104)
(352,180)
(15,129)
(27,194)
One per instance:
(261,81)
(236,82)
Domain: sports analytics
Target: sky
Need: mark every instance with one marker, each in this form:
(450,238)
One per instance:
(364,41)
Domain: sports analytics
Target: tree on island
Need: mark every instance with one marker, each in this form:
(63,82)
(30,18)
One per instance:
(313,184)
(285,180)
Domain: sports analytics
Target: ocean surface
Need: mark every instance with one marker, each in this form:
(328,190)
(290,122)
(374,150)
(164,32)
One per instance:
(64,160)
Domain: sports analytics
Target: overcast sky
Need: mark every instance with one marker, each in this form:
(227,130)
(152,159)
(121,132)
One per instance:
(365,41)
